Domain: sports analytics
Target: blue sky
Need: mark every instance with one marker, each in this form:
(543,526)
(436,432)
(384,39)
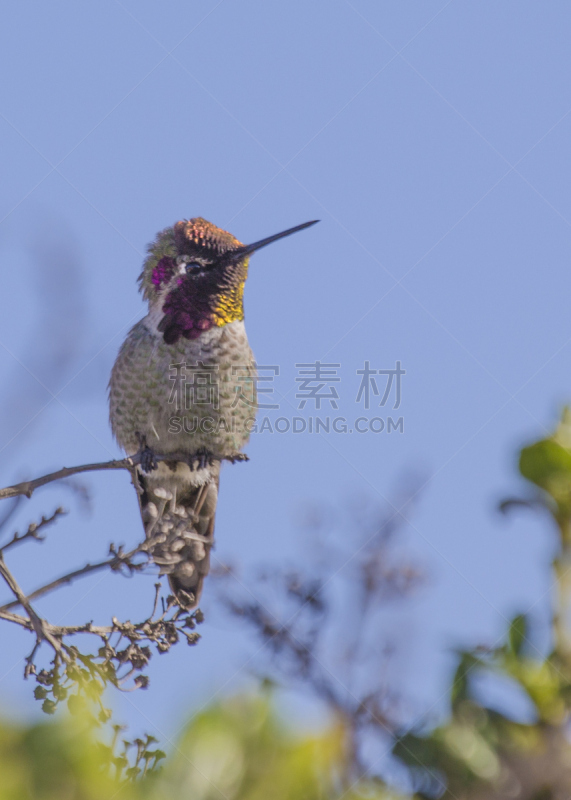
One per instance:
(431,139)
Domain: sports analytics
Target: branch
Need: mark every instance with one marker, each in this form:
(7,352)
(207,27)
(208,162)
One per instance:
(74,674)
(33,529)
(39,625)
(115,562)
(25,623)
(27,488)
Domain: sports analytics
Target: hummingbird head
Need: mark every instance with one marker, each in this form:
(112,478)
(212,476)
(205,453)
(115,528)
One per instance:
(194,276)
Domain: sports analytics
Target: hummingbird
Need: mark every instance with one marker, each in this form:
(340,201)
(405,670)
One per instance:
(184,384)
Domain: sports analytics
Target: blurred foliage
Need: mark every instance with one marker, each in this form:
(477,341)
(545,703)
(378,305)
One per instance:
(481,752)
(238,750)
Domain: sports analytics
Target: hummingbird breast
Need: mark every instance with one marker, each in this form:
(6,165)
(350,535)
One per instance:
(183,397)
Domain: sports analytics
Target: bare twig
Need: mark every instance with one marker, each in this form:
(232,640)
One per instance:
(27,488)
(33,529)
(85,672)
(25,623)
(40,627)
(118,560)
(126,645)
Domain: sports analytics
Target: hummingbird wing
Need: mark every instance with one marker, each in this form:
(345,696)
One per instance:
(179,527)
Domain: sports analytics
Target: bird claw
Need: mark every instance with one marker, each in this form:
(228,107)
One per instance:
(204,458)
(237,457)
(200,460)
(147,461)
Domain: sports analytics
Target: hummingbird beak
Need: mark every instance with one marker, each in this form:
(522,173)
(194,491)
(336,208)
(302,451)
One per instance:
(248,249)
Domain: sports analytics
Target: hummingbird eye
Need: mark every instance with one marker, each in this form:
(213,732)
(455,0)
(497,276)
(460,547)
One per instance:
(192,266)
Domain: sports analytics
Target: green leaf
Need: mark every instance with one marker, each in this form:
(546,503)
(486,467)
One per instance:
(518,633)
(460,689)
(548,465)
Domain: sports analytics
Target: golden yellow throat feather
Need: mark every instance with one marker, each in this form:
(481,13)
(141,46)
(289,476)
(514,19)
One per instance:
(229,306)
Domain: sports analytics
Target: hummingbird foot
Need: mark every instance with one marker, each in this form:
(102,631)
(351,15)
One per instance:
(201,459)
(237,457)
(204,458)
(148,461)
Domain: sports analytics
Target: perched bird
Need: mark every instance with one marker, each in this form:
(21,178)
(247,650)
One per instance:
(184,383)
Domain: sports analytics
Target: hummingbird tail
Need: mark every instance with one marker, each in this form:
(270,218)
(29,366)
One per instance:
(179,527)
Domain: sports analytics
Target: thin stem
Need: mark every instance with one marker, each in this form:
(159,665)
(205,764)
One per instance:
(113,562)
(33,530)
(39,625)
(27,488)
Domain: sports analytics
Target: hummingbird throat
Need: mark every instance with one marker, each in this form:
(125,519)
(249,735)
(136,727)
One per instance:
(193,307)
